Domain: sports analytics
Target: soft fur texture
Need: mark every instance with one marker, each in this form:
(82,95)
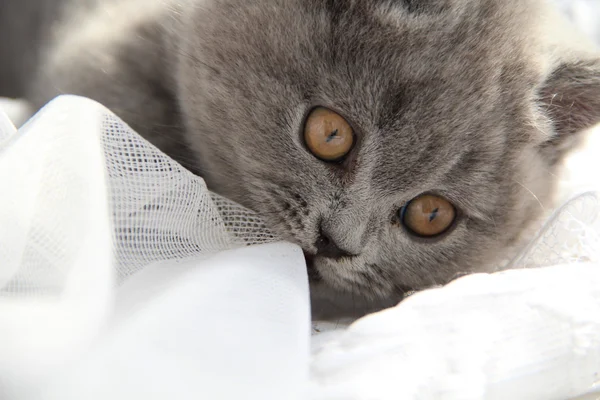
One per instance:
(475,100)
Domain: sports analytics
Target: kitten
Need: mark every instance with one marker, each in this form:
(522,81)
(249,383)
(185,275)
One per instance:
(400,143)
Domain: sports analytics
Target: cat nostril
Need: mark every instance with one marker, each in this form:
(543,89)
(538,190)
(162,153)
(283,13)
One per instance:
(322,242)
(328,248)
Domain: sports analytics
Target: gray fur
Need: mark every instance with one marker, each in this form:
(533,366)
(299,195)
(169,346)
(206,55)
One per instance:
(475,100)
(24,25)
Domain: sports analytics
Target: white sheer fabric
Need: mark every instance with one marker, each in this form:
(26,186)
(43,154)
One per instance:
(122,276)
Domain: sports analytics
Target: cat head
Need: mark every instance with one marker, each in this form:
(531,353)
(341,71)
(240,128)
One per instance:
(399,143)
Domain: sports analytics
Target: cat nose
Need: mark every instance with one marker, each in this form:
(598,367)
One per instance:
(328,248)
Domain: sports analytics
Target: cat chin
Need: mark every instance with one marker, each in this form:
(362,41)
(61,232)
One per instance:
(331,280)
(332,297)
(328,303)
(314,276)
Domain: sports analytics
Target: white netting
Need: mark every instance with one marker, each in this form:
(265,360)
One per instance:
(571,235)
(159,210)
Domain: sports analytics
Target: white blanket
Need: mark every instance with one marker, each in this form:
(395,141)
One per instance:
(122,277)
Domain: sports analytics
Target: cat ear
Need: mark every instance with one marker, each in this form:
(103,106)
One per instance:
(571,98)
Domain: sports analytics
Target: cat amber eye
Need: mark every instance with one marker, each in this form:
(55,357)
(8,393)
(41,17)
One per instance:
(328,135)
(428,215)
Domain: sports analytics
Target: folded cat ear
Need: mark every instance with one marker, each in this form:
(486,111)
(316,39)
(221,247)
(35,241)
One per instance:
(571,98)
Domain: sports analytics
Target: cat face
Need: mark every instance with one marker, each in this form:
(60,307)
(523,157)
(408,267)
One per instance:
(447,109)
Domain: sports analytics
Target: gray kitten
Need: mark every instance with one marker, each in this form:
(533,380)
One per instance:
(471,103)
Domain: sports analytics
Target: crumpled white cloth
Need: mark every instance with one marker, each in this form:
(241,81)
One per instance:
(89,309)
(522,334)
(215,321)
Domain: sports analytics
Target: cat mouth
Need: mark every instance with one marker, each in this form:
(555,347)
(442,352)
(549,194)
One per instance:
(313,273)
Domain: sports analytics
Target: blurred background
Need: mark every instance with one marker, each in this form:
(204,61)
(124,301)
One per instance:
(585,13)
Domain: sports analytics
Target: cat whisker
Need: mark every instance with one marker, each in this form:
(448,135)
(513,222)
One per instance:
(532,194)
(494,221)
